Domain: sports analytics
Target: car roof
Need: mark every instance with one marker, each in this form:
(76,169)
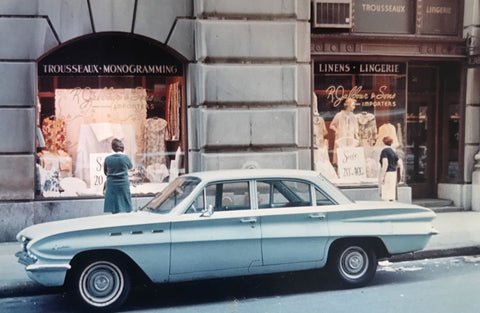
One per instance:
(254,173)
(235,174)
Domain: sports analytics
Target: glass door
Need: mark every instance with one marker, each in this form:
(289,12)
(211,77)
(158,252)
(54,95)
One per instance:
(421,129)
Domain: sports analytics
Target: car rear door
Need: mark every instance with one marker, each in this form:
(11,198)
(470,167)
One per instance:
(294,228)
(226,242)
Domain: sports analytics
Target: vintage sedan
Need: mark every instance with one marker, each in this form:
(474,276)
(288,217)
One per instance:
(221,224)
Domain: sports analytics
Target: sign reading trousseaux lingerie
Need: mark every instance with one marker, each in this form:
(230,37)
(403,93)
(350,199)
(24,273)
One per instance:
(438,17)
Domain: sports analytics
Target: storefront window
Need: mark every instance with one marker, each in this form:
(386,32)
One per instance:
(105,87)
(348,141)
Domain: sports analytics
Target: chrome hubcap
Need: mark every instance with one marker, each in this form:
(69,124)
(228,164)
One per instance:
(353,262)
(101,283)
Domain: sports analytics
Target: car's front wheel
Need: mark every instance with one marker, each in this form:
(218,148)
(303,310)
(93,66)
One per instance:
(354,264)
(100,284)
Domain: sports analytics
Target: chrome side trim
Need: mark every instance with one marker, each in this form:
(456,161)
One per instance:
(48,267)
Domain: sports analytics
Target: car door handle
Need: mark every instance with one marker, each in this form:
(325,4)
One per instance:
(248,220)
(319,216)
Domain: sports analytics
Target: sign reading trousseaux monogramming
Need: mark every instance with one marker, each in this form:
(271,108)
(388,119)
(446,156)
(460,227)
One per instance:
(109,69)
(110,55)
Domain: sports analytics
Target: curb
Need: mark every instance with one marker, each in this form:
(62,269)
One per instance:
(31,288)
(435,254)
(26,289)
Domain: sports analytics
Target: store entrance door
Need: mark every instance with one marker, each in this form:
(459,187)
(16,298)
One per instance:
(421,129)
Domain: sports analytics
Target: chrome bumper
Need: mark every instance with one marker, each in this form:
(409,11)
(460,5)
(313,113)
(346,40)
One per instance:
(46,274)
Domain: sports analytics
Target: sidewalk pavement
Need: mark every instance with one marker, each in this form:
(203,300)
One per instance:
(459,234)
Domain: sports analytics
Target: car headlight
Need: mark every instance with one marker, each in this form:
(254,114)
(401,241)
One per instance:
(24,242)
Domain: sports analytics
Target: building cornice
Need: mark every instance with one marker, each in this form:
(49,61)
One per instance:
(387,45)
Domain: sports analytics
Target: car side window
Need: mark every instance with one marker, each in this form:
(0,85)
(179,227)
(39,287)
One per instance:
(321,199)
(283,193)
(227,196)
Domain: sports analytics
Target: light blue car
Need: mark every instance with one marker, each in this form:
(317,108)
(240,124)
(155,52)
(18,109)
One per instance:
(222,224)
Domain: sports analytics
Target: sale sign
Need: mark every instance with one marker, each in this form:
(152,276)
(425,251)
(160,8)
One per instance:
(351,163)
(97,176)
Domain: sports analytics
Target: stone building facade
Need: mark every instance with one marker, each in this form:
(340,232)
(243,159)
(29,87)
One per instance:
(244,79)
(246,95)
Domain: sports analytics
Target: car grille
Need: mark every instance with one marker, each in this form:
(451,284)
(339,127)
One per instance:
(24,258)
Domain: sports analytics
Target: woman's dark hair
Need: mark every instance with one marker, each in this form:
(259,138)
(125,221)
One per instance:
(117,145)
(387,140)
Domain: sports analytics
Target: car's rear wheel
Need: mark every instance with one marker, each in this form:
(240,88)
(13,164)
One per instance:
(100,284)
(354,264)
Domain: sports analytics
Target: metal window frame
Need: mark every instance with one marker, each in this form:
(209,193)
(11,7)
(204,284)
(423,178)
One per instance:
(320,24)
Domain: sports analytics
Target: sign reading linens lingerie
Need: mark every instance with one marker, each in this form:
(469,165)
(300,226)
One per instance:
(367,96)
(378,68)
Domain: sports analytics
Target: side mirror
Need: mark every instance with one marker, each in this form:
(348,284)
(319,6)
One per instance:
(208,211)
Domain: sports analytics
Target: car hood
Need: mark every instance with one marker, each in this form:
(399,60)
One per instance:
(43,230)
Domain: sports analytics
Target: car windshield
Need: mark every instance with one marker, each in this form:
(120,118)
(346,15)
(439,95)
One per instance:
(172,195)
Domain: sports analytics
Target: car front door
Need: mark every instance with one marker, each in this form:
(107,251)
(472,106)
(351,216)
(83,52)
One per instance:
(218,244)
(294,230)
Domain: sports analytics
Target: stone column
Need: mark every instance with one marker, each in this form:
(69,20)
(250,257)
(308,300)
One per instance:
(250,85)
(476,184)
(472,130)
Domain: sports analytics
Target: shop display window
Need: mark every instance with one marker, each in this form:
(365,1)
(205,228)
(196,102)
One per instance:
(84,105)
(347,142)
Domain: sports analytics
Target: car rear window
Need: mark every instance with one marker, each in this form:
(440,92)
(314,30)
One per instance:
(283,193)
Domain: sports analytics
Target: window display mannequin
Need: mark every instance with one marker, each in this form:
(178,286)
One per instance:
(155,147)
(389,130)
(345,126)
(319,130)
(320,153)
(367,129)
(367,133)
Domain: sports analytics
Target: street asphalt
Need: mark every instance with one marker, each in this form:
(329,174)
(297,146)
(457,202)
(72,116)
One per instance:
(459,234)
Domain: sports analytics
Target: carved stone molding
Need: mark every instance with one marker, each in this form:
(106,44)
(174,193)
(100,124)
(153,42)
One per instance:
(388,46)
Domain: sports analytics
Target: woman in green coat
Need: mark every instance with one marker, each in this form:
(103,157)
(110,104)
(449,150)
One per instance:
(117,192)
